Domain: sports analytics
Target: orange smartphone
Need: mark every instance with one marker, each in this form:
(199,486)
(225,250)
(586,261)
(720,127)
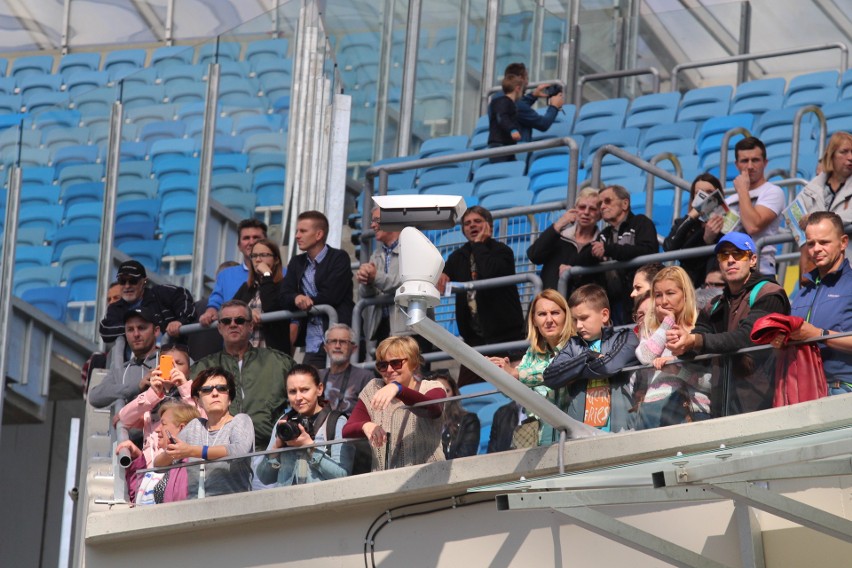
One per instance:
(167,363)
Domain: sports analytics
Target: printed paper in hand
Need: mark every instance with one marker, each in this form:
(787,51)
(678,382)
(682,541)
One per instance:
(709,205)
(793,216)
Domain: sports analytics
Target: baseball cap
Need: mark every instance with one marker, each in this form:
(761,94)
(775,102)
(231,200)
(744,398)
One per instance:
(132,269)
(739,240)
(143,313)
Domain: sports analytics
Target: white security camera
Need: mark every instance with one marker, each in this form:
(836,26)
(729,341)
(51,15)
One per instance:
(421,211)
(420,266)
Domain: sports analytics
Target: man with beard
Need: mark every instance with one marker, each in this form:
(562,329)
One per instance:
(824,300)
(724,326)
(342,382)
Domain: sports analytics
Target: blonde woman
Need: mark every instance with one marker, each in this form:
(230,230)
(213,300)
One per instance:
(671,393)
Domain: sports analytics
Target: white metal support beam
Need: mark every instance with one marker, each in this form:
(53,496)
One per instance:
(800,513)
(751,541)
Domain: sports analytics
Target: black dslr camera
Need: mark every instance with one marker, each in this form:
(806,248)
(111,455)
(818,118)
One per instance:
(289,430)
(552,90)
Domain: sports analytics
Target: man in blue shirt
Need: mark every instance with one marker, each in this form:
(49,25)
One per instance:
(321,275)
(229,280)
(527,117)
(825,299)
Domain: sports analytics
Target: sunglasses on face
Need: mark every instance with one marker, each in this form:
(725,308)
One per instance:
(131,281)
(395,364)
(229,321)
(738,255)
(207,389)
(608,200)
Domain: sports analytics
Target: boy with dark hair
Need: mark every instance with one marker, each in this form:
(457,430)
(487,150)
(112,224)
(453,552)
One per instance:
(503,127)
(590,364)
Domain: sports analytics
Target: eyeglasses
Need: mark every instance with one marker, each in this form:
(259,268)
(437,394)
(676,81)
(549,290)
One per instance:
(608,200)
(256,255)
(207,389)
(738,255)
(375,220)
(229,321)
(131,281)
(338,342)
(395,364)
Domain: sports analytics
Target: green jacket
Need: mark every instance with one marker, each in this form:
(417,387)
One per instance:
(260,386)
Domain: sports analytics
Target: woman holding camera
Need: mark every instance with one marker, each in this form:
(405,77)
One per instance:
(309,421)
(397,435)
(220,435)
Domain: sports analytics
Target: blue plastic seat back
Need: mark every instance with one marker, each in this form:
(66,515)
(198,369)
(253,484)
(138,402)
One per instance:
(35,277)
(701,104)
(52,300)
(653,109)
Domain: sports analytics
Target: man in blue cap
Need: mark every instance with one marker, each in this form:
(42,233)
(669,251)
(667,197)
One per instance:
(724,326)
(824,300)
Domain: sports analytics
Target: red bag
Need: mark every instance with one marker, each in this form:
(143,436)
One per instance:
(799,375)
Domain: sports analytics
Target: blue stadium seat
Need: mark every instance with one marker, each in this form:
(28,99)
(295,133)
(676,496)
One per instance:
(139,79)
(140,169)
(178,210)
(150,113)
(443,145)
(149,253)
(74,235)
(234,70)
(257,124)
(649,110)
(165,130)
(32,255)
(94,103)
(272,142)
(132,151)
(74,63)
(86,192)
(85,81)
(11,104)
(137,210)
(241,182)
(677,138)
(713,130)
(229,163)
(169,55)
(756,97)
(195,127)
(495,171)
(549,164)
(550,195)
(58,118)
(240,202)
(72,155)
(143,96)
(48,217)
(82,283)
(556,130)
(44,102)
(134,231)
(548,181)
(268,187)
(122,62)
(460,189)
(8,85)
(75,255)
(31,236)
(624,137)
(506,200)
(51,300)
(55,138)
(39,195)
(181,93)
(838,124)
(218,52)
(701,104)
(31,65)
(775,124)
(175,166)
(80,173)
(35,84)
(137,189)
(179,185)
(162,149)
(35,277)
(178,242)
(262,162)
(441,176)
(38,175)
(237,93)
(597,116)
(266,49)
(812,88)
(176,75)
(515,184)
(226,144)
(82,213)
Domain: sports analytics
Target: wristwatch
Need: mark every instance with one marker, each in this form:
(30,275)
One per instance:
(267,274)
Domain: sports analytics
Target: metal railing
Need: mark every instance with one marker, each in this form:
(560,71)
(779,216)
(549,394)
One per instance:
(581,82)
(844,59)
(321,309)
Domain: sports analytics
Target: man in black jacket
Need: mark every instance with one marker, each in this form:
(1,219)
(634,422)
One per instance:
(171,306)
(724,326)
(320,275)
(625,237)
(483,316)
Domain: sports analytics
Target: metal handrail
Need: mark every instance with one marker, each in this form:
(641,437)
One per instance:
(265,317)
(844,58)
(649,184)
(797,126)
(652,71)
(530,86)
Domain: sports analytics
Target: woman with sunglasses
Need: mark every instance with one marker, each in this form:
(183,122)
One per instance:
(262,292)
(218,436)
(307,406)
(142,412)
(412,436)
(690,231)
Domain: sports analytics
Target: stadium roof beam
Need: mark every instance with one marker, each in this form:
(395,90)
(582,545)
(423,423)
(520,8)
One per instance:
(837,16)
(31,24)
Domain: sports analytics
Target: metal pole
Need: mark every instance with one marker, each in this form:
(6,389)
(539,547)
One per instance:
(66,22)
(619,53)
(573,51)
(208,140)
(170,22)
(7,272)
(459,95)
(384,81)
(409,78)
(797,127)
(489,57)
(537,34)
(116,121)
(745,40)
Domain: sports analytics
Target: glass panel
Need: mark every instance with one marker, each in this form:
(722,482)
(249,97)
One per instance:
(514,35)
(95,22)
(200,19)
(43,18)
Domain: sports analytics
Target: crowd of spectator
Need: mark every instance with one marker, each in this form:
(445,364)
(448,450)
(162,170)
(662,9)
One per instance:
(623,349)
